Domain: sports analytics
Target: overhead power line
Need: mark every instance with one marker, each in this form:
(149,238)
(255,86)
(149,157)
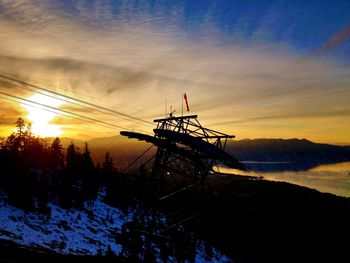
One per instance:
(68,99)
(58,111)
(54,97)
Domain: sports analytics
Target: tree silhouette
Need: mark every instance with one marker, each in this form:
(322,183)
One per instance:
(108,164)
(90,181)
(87,163)
(57,156)
(33,171)
(70,176)
(20,125)
(28,136)
(72,162)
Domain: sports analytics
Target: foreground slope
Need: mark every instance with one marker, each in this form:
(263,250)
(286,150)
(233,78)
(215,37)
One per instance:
(246,220)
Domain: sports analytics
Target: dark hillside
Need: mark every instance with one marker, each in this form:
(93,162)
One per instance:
(297,154)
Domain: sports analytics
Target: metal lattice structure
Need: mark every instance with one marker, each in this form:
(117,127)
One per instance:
(186,148)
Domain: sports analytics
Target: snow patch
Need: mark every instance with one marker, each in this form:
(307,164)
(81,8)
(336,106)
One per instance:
(78,232)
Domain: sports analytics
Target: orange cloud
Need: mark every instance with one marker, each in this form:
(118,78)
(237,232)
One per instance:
(133,69)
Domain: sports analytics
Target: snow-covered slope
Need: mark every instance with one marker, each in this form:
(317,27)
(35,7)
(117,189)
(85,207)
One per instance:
(90,231)
(66,232)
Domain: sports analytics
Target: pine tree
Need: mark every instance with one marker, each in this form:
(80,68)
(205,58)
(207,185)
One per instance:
(72,161)
(27,136)
(89,178)
(108,164)
(57,156)
(69,177)
(87,163)
(19,136)
(20,125)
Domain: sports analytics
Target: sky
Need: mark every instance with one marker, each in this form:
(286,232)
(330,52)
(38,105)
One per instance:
(255,69)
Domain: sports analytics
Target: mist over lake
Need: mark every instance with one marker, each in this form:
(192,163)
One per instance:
(327,178)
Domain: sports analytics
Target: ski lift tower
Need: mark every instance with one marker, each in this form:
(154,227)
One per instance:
(186,148)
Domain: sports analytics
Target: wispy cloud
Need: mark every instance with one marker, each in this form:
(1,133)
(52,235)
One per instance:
(319,114)
(133,68)
(338,38)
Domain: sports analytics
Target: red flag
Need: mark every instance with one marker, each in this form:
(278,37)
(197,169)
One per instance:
(185,97)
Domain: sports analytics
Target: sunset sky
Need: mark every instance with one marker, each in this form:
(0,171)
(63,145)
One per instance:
(274,69)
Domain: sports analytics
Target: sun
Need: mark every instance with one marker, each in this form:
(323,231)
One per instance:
(40,117)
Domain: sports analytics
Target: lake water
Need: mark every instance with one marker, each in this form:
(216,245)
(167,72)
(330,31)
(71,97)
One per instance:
(329,178)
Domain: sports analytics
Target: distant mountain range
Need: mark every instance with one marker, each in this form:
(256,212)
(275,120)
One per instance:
(287,154)
(261,154)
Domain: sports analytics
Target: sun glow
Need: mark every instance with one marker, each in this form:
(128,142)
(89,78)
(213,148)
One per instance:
(40,117)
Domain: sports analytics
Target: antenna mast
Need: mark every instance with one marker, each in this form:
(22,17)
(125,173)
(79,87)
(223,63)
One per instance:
(182,104)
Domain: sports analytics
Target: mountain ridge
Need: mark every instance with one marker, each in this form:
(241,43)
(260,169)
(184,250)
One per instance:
(297,154)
